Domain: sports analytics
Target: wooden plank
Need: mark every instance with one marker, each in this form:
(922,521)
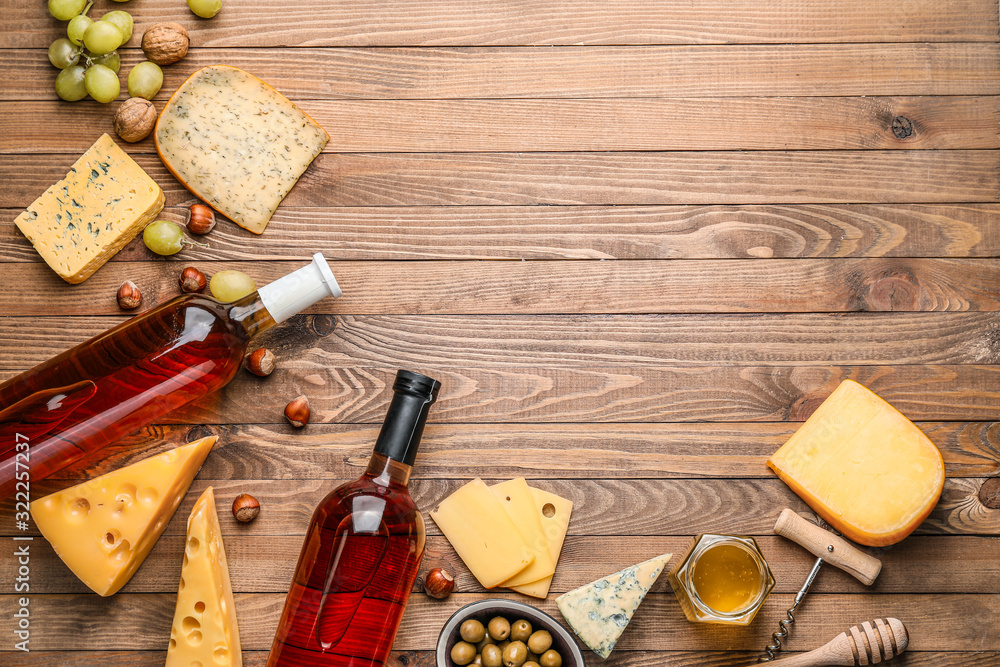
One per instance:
(935,622)
(440,22)
(559,395)
(263,564)
(483,179)
(389,126)
(780,70)
(624,342)
(652,658)
(440,288)
(586,232)
(609,507)
(619,451)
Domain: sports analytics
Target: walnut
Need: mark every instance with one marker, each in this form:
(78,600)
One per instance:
(135,119)
(165,43)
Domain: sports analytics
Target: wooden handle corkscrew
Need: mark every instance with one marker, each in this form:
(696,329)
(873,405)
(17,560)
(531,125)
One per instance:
(870,643)
(832,549)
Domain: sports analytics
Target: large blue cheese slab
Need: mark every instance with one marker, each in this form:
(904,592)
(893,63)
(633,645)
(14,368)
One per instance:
(600,611)
(236,143)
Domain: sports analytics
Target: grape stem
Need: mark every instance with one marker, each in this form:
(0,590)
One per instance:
(187,241)
(87,8)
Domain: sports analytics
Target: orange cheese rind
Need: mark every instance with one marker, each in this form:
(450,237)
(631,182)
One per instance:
(863,467)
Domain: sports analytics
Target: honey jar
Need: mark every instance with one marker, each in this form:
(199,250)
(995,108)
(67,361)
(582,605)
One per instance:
(721,579)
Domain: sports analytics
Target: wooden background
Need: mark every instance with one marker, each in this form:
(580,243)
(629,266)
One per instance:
(638,242)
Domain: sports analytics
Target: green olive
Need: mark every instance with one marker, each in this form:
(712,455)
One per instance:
(472,631)
(515,654)
(502,645)
(530,663)
(463,653)
(540,642)
(499,628)
(486,641)
(477,661)
(520,631)
(492,656)
(550,659)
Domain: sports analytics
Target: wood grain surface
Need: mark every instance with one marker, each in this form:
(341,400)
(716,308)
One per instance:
(639,243)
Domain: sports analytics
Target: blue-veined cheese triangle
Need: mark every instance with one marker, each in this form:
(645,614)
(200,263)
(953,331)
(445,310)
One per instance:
(600,611)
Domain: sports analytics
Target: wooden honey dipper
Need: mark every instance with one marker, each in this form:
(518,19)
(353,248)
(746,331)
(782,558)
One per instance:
(867,644)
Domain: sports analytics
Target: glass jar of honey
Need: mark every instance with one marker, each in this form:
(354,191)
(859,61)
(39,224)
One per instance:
(721,579)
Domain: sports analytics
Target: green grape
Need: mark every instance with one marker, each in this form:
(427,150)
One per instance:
(102,37)
(62,53)
(102,83)
(111,60)
(163,237)
(145,80)
(69,84)
(123,20)
(231,285)
(64,10)
(206,9)
(77,26)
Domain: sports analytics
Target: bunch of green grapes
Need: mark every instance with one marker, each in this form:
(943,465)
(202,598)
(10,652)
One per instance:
(88,55)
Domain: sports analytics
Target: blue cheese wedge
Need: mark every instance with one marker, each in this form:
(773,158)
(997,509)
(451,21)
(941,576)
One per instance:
(236,143)
(600,611)
(79,223)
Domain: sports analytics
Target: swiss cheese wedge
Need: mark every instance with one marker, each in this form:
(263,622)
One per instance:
(863,467)
(204,631)
(236,143)
(104,528)
(554,513)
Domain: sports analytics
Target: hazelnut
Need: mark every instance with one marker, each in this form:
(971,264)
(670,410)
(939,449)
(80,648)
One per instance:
(260,362)
(246,508)
(165,43)
(439,583)
(129,296)
(201,219)
(135,119)
(297,412)
(192,280)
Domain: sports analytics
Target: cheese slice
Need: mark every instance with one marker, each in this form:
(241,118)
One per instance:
(204,631)
(236,143)
(79,223)
(554,513)
(483,534)
(515,497)
(863,467)
(104,528)
(600,611)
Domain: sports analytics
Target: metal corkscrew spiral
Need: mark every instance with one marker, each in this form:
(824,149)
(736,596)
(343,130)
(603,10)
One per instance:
(784,624)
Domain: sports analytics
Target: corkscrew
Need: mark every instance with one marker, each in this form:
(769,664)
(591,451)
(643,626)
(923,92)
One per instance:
(870,643)
(828,548)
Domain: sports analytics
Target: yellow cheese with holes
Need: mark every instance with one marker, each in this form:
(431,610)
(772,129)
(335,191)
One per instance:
(204,631)
(553,513)
(104,528)
(236,143)
(483,534)
(515,497)
(79,223)
(863,467)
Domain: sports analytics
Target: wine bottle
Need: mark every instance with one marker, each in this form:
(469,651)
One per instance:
(140,370)
(362,551)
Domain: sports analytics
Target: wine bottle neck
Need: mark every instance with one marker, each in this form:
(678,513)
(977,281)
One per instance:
(403,427)
(251,315)
(385,471)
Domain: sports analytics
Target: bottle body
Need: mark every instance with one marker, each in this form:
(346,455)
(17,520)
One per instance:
(362,551)
(354,575)
(142,369)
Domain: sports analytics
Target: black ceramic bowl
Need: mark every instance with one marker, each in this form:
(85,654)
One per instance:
(484,610)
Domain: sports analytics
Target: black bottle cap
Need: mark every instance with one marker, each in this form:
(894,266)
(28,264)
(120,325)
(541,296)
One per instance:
(404,422)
